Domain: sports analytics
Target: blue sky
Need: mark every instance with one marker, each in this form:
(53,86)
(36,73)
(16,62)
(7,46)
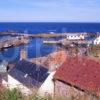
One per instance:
(50,10)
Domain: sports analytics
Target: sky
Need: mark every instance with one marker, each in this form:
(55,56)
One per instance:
(49,10)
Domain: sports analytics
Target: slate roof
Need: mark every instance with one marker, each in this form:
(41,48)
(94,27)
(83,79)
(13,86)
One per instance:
(81,72)
(29,73)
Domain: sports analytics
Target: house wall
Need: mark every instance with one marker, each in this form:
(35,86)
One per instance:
(66,90)
(47,88)
(97,40)
(75,37)
(13,83)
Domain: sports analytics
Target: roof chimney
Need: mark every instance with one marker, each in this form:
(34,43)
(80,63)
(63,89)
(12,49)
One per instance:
(23,54)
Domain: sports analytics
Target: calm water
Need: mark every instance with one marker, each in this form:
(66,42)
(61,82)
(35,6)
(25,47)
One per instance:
(36,47)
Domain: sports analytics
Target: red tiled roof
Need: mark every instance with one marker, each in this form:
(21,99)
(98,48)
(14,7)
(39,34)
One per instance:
(82,72)
(57,57)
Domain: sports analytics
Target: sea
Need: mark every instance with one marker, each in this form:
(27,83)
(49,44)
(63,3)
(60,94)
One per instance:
(36,48)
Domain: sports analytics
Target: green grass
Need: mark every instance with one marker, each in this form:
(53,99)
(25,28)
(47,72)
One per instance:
(95,50)
(15,94)
(11,95)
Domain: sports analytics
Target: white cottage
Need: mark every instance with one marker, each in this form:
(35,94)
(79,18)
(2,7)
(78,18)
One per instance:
(97,41)
(75,36)
(25,76)
(47,88)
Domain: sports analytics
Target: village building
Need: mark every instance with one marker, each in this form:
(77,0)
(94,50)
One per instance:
(77,76)
(97,40)
(51,61)
(25,76)
(47,88)
(28,75)
(75,36)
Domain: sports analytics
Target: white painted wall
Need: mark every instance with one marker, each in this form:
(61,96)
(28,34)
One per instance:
(13,83)
(75,37)
(47,88)
(97,40)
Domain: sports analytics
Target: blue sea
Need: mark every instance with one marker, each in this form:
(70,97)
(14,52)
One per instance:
(40,27)
(36,48)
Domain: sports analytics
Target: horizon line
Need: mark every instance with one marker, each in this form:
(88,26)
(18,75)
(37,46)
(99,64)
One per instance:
(45,22)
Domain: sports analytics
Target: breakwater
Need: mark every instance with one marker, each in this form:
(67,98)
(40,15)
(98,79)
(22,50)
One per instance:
(14,41)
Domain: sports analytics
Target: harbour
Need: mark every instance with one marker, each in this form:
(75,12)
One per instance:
(33,62)
(50,50)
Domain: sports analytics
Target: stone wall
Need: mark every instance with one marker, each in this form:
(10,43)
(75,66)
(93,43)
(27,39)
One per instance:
(71,93)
